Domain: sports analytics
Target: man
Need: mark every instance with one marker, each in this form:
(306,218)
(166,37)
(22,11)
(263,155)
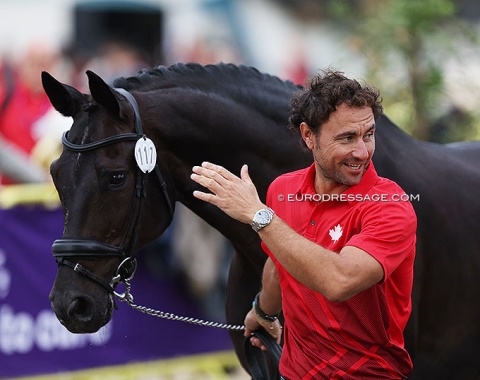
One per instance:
(341,245)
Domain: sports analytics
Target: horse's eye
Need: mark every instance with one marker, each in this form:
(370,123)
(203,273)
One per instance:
(118,178)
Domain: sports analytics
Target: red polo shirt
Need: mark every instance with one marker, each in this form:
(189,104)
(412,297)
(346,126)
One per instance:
(361,338)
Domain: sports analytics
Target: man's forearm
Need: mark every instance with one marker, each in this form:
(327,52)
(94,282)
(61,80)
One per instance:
(336,276)
(270,298)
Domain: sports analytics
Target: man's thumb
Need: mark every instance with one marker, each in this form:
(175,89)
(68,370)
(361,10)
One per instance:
(244,174)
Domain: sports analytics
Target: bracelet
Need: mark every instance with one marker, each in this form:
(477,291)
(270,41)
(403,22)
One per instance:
(260,312)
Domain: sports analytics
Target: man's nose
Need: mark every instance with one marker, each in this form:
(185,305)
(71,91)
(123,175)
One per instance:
(360,150)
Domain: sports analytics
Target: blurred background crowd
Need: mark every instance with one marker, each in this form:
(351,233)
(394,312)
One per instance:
(423,55)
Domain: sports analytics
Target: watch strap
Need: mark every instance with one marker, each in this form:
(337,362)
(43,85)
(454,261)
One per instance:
(259,312)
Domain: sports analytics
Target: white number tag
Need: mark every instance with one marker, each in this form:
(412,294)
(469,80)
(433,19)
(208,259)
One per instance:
(145,154)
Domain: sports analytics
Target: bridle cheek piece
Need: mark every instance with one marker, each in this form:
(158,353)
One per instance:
(67,250)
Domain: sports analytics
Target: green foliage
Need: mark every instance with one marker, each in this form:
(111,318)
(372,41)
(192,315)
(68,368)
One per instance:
(403,42)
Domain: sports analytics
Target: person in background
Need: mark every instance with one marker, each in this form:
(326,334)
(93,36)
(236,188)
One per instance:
(23,103)
(340,264)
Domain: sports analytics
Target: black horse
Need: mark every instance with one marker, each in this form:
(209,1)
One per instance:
(231,115)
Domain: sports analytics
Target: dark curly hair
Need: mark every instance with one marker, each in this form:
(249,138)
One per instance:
(327,90)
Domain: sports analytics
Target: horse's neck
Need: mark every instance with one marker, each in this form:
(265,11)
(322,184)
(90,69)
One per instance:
(398,155)
(190,129)
(196,127)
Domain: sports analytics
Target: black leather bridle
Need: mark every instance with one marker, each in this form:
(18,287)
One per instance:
(66,250)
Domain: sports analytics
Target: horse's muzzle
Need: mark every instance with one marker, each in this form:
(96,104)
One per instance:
(81,313)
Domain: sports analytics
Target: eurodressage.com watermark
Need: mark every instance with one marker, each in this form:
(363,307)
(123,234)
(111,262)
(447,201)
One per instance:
(349,197)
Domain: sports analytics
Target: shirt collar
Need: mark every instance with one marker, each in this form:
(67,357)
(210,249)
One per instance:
(369,179)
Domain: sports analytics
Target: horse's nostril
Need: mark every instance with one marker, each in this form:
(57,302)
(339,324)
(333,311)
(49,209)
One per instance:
(80,309)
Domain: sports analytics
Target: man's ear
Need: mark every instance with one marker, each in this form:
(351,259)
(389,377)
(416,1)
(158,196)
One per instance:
(307,135)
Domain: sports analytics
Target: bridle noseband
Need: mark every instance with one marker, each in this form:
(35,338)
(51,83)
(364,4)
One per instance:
(67,249)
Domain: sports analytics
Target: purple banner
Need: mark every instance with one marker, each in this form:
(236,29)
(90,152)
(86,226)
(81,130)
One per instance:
(30,332)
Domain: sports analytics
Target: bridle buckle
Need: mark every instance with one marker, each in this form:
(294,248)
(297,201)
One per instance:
(79,269)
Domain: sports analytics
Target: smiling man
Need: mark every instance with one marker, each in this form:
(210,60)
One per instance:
(341,271)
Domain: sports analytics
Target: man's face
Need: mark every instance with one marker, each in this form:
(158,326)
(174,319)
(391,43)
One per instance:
(343,148)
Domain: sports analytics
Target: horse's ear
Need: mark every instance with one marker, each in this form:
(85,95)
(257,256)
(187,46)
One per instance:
(63,97)
(103,93)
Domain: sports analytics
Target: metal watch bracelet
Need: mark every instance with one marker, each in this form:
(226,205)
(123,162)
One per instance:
(258,311)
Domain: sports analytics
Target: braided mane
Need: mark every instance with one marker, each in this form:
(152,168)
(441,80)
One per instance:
(213,76)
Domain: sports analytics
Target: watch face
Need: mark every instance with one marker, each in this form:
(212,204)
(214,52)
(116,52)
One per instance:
(263,217)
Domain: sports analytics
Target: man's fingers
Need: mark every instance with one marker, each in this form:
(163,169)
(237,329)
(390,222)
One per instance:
(210,198)
(257,343)
(220,170)
(215,172)
(211,177)
(207,182)
(235,196)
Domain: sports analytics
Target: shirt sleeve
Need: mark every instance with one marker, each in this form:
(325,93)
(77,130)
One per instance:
(388,233)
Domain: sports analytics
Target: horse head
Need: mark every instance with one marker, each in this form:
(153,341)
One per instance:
(105,177)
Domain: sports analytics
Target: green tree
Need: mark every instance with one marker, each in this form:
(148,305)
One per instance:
(403,42)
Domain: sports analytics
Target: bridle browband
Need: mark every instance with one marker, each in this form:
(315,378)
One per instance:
(66,250)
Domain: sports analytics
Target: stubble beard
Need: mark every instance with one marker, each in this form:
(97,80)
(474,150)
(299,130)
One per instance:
(337,177)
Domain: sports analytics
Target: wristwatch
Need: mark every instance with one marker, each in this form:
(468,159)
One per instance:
(262,218)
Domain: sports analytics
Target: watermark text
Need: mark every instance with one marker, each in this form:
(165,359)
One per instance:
(349,197)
